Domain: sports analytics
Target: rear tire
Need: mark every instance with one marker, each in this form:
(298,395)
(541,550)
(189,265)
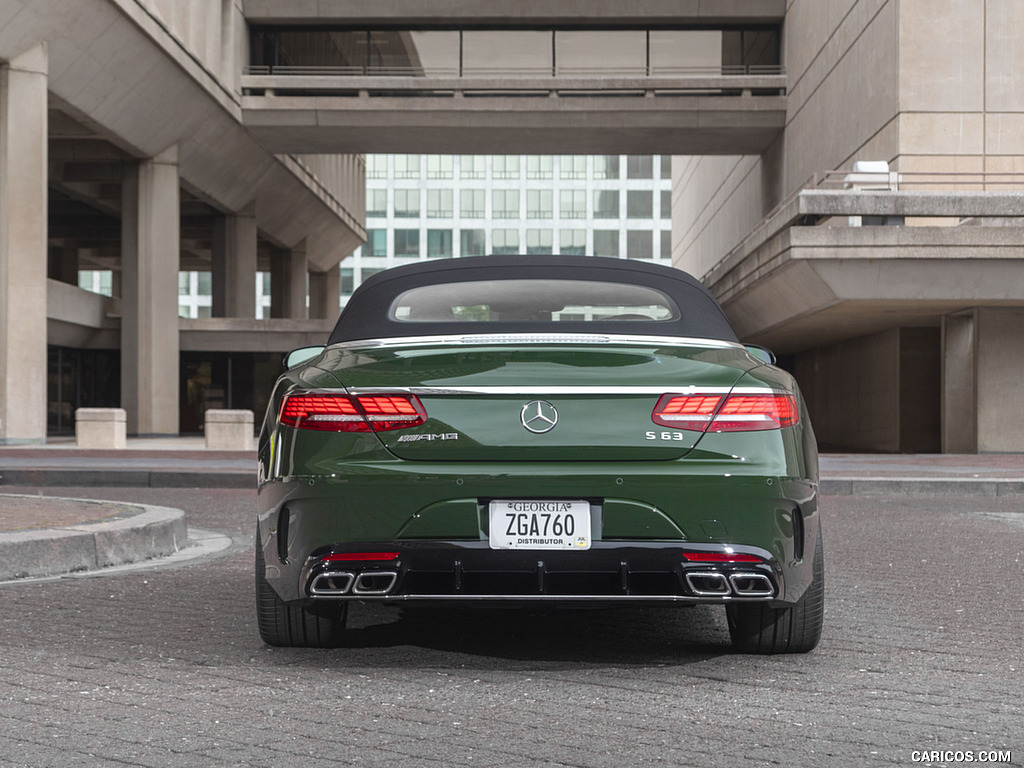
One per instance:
(291,625)
(756,628)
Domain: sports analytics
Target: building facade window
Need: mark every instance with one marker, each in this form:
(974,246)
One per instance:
(439,243)
(407,166)
(572,204)
(473,203)
(639,204)
(407,242)
(407,203)
(539,241)
(377,202)
(572,167)
(666,204)
(440,166)
(505,167)
(505,204)
(606,204)
(606,242)
(473,167)
(505,241)
(376,242)
(639,244)
(666,244)
(606,167)
(439,203)
(472,242)
(639,167)
(540,167)
(539,204)
(572,242)
(376,166)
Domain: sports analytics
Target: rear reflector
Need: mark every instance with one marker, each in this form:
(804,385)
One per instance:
(344,413)
(720,557)
(718,413)
(348,557)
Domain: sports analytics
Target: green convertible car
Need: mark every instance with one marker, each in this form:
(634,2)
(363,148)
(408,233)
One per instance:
(529,430)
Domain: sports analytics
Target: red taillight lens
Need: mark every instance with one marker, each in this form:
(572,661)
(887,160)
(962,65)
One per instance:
(720,557)
(738,413)
(342,413)
(348,557)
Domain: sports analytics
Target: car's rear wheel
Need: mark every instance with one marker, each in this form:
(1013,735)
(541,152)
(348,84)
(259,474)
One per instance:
(296,626)
(757,628)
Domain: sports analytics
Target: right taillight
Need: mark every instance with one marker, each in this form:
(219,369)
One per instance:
(726,413)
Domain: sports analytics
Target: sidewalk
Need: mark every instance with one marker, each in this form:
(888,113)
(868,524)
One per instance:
(36,528)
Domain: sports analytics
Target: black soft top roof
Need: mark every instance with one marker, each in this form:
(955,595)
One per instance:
(366,314)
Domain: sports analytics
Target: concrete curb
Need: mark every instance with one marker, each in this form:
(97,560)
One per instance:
(126,478)
(151,532)
(918,486)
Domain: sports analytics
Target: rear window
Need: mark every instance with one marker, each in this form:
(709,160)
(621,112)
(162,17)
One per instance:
(531,300)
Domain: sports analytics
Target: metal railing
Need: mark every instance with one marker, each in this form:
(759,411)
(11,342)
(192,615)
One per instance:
(753,70)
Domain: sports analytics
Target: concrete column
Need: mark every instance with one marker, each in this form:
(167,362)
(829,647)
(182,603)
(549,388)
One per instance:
(23,256)
(983,366)
(234,265)
(288,277)
(150,234)
(325,292)
(959,396)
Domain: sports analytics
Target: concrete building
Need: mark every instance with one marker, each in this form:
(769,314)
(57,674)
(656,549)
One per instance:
(147,137)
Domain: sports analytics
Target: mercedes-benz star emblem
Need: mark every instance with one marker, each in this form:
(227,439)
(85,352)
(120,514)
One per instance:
(539,416)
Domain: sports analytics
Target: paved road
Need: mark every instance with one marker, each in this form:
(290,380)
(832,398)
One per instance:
(922,651)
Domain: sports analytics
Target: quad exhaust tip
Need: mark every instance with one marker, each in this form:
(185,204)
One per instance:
(339,583)
(717,584)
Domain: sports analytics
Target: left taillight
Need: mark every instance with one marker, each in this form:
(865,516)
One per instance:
(352,413)
(726,413)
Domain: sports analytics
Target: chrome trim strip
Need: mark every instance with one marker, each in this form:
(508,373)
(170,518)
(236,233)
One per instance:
(563,390)
(717,598)
(538,338)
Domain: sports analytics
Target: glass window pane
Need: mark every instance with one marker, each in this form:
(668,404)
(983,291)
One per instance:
(518,52)
(639,204)
(539,241)
(472,204)
(407,166)
(539,203)
(639,167)
(439,203)
(505,241)
(675,52)
(440,166)
(666,204)
(439,243)
(572,241)
(606,242)
(620,51)
(472,167)
(434,54)
(407,242)
(572,167)
(505,204)
(376,242)
(540,167)
(666,244)
(347,281)
(505,167)
(666,166)
(606,204)
(606,167)
(472,242)
(377,202)
(639,244)
(376,166)
(407,203)
(184,283)
(572,204)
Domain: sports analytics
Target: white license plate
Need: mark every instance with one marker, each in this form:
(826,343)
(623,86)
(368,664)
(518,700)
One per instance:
(539,524)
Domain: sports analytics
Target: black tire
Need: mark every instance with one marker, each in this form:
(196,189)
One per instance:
(292,625)
(756,628)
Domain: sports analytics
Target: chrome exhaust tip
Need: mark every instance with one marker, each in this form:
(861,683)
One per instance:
(751,585)
(332,584)
(374,582)
(707,583)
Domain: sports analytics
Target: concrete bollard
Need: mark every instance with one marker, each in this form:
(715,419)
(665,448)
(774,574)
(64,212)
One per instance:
(229,430)
(101,428)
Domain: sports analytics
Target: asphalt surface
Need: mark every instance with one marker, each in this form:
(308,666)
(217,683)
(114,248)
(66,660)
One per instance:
(163,667)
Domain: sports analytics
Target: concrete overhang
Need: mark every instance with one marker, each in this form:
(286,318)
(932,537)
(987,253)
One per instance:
(229,334)
(521,14)
(794,287)
(629,124)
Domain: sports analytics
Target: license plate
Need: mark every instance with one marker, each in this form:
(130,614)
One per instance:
(539,524)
